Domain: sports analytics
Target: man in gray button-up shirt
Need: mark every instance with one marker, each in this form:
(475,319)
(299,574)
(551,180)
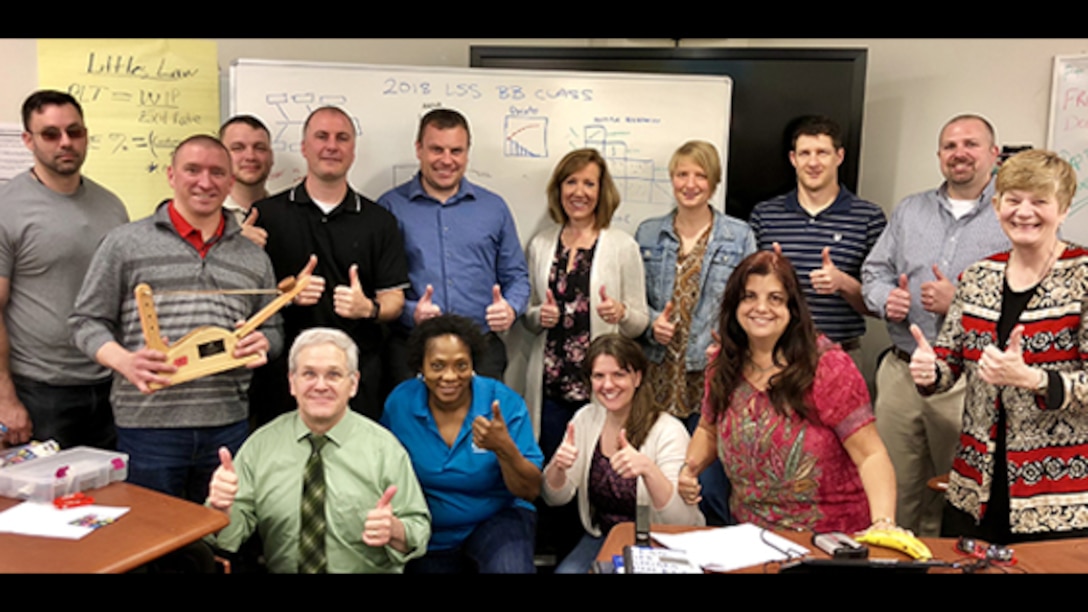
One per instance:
(909,277)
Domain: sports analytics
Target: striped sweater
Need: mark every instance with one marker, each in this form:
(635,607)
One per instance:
(151,251)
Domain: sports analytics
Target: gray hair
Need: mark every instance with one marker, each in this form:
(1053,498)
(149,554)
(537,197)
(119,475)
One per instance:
(324,335)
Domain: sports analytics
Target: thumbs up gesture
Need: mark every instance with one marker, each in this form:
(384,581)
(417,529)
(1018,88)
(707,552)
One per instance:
(382,526)
(425,308)
(688,483)
(224,485)
(610,310)
(258,235)
(349,301)
(627,461)
(312,293)
(923,361)
(827,279)
(549,311)
(1007,367)
(567,453)
(500,314)
(898,304)
(664,327)
(492,434)
(937,294)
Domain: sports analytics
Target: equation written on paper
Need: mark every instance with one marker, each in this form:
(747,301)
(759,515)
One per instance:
(151,92)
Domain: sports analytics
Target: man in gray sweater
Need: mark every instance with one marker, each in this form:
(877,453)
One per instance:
(196,259)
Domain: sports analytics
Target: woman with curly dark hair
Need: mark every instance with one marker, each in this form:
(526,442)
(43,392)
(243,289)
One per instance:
(472,447)
(790,414)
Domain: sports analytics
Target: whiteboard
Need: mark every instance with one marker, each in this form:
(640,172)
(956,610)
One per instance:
(1068,135)
(521,122)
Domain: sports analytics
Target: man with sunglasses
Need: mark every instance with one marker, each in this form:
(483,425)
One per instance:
(51,220)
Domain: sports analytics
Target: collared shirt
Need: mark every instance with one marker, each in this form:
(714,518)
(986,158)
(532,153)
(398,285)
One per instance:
(463,483)
(462,248)
(151,251)
(850,226)
(356,232)
(192,235)
(922,232)
(731,240)
(360,460)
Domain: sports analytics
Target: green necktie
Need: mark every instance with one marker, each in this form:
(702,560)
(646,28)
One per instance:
(311,536)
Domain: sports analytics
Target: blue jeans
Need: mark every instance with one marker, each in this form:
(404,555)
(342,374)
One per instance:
(72,415)
(503,544)
(715,484)
(180,461)
(580,560)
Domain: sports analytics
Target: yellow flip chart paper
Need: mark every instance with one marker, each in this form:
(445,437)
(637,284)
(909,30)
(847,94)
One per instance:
(140,98)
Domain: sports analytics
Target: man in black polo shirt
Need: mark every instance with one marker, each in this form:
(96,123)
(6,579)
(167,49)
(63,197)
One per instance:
(360,271)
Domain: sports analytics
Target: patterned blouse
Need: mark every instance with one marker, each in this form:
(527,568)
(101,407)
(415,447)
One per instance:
(787,471)
(680,391)
(568,340)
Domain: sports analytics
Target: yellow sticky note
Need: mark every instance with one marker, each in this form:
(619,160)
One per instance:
(140,98)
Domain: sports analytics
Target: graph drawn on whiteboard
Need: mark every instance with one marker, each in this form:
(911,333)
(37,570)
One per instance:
(639,179)
(525,136)
(293,109)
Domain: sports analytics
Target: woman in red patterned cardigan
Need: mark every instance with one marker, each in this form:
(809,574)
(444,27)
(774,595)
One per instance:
(1018,330)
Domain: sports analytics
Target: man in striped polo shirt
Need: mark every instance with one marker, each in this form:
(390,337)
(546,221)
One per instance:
(824,230)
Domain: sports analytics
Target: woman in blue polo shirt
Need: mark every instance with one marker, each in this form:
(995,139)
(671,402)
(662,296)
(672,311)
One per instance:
(472,447)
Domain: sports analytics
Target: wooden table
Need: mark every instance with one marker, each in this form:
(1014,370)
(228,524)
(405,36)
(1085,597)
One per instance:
(155,524)
(1055,556)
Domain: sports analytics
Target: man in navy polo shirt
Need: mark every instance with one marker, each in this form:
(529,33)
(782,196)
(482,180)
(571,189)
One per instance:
(824,230)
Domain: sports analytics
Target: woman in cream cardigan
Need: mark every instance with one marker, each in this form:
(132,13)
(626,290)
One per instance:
(620,451)
(587,280)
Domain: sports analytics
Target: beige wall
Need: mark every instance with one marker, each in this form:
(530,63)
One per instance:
(912,87)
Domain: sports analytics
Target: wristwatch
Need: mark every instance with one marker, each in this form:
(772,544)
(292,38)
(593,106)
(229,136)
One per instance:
(377,310)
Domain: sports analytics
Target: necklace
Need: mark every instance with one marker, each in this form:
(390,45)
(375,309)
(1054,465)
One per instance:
(1046,266)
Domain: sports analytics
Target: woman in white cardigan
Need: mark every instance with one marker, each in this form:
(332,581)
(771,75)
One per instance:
(619,451)
(587,280)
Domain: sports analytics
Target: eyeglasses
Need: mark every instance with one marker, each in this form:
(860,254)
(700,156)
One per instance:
(52,134)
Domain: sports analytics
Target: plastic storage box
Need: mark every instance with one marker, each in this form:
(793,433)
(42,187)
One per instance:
(69,471)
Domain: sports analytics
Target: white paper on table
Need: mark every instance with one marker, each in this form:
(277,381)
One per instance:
(728,548)
(46,520)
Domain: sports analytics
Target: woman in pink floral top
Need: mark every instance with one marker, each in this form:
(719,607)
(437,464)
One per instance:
(791,412)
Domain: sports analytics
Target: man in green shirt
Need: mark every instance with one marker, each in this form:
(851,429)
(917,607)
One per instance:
(375,515)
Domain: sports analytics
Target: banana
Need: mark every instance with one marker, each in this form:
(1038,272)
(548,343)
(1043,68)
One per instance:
(897,539)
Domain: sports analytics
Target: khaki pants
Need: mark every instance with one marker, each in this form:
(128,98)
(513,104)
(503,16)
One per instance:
(921,435)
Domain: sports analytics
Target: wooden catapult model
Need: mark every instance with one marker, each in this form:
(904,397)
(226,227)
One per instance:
(209,350)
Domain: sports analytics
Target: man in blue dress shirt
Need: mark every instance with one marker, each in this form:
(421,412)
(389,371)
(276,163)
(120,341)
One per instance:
(464,256)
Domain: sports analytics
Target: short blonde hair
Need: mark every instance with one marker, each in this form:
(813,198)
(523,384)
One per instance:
(705,155)
(1040,172)
(608,196)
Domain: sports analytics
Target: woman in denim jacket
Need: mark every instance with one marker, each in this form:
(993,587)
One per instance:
(688,256)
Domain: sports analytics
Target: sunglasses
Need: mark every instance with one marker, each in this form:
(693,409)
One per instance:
(52,134)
